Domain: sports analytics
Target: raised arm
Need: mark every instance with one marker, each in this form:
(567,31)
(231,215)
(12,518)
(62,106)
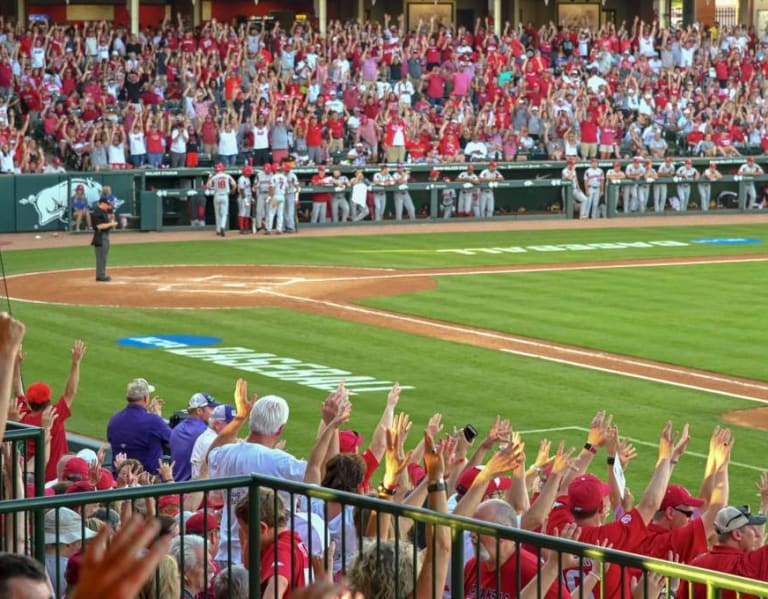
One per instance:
(73,381)
(11,335)
(657,487)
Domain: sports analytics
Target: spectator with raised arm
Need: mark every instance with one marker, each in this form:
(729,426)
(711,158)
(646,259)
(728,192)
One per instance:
(38,398)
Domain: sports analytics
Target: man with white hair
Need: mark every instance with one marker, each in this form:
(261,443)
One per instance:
(266,422)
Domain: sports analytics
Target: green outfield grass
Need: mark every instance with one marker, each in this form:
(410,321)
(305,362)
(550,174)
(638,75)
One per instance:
(704,316)
(700,316)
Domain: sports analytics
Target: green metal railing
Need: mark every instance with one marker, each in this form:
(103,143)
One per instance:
(713,581)
(20,438)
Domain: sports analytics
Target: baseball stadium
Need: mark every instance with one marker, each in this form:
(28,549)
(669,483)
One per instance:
(375,301)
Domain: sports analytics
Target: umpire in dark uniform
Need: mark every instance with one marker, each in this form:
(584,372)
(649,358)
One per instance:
(103,222)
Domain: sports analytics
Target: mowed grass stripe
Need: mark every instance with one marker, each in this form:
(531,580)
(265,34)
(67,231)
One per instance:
(705,317)
(412,251)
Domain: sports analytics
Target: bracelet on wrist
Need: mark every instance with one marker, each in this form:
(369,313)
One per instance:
(590,448)
(382,489)
(438,486)
(610,460)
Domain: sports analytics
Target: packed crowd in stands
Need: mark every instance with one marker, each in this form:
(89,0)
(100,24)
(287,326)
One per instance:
(311,548)
(94,96)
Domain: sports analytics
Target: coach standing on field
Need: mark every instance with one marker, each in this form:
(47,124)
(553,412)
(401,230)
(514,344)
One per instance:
(103,222)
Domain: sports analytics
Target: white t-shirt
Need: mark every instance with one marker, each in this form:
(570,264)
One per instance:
(200,448)
(228,142)
(335,529)
(137,143)
(248,458)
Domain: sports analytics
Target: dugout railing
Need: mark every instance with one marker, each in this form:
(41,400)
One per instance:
(293,493)
(156,199)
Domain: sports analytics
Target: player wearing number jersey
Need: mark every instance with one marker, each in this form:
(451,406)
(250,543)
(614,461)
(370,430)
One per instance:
(291,198)
(277,192)
(261,186)
(221,184)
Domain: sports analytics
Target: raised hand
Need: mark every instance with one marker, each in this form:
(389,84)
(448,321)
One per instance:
(243,406)
(394,395)
(627,453)
(78,351)
(156,405)
(598,429)
(165,470)
(394,463)
(542,457)
(435,426)
(504,460)
(666,443)
(433,459)
(562,459)
(681,443)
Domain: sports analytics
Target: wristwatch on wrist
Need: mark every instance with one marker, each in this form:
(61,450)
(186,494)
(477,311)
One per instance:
(590,448)
(438,486)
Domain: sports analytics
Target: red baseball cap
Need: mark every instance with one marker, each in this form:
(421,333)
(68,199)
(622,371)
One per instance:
(349,441)
(416,473)
(586,493)
(286,166)
(247,170)
(106,480)
(750,158)
(679,495)
(200,523)
(168,500)
(492,165)
(81,486)
(467,478)
(38,393)
(75,469)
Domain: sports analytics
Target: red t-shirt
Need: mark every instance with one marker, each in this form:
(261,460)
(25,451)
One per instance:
(279,557)
(59,444)
(721,558)
(529,569)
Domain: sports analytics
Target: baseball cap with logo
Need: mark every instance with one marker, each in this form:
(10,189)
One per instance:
(679,495)
(223,413)
(200,523)
(75,469)
(138,389)
(586,493)
(732,518)
(201,400)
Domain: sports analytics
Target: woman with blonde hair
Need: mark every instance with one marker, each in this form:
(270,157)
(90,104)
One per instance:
(164,582)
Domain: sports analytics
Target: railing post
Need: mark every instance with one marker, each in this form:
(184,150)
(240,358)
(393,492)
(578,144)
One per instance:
(742,195)
(434,211)
(39,517)
(254,532)
(457,562)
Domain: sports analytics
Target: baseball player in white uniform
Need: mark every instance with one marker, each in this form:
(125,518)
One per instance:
(402,196)
(262,184)
(666,169)
(644,187)
(685,175)
(749,170)
(244,199)
(221,184)
(291,198)
(569,174)
(614,175)
(359,211)
(340,204)
(594,183)
(381,179)
(487,200)
(277,190)
(469,195)
(634,171)
(705,188)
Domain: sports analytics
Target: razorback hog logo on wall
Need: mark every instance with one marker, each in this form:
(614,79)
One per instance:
(52,203)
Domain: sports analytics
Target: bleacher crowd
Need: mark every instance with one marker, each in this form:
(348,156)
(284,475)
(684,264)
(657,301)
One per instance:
(93,96)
